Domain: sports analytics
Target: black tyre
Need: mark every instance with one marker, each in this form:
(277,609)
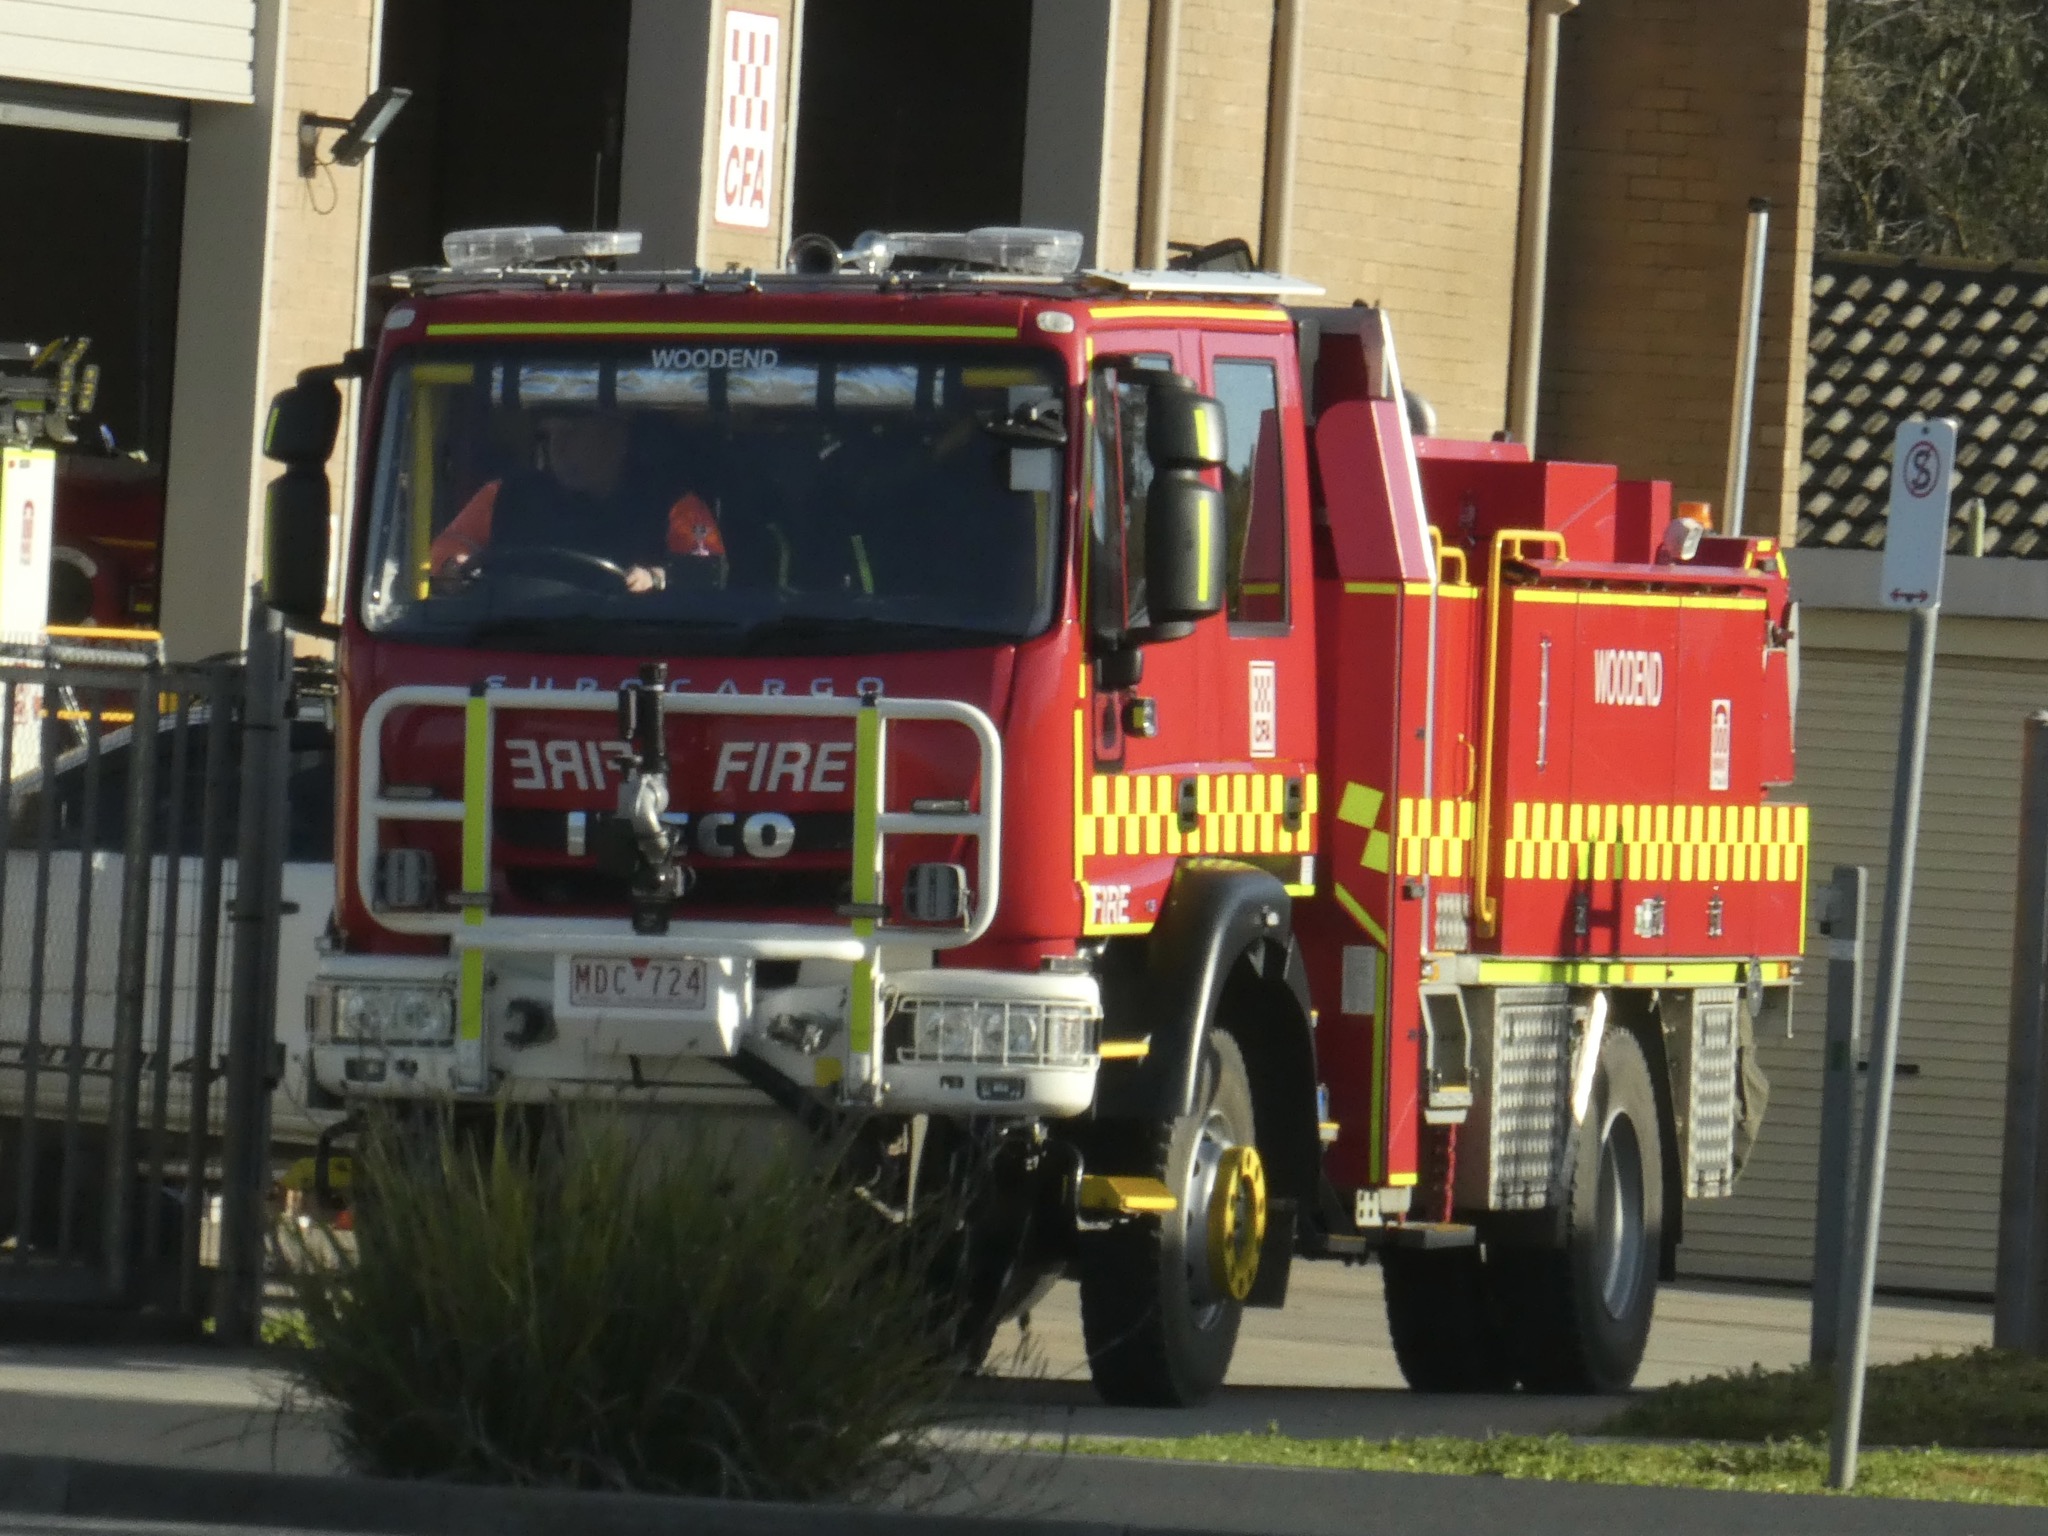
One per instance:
(1446,1318)
(1159,1330)
(1581,1313)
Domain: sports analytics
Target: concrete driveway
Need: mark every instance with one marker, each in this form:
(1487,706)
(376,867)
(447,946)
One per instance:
(1322,1366)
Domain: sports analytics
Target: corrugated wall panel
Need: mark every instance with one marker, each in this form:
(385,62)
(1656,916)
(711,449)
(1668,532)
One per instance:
(196,49)
(1940,1219)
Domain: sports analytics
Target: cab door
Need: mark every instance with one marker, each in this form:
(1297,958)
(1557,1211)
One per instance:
(1142,731)
(1258,664)
(1200,745)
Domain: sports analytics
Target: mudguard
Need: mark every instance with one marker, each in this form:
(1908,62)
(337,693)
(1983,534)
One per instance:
(1215,911)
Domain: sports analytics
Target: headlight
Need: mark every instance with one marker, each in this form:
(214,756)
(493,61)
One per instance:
(391,1015)
(1005,1034)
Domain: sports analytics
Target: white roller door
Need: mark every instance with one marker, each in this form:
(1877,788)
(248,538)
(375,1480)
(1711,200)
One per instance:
(199,50)
(1940,1220)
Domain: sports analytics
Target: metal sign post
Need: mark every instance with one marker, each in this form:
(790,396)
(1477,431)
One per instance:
(2020,1321)
(1916,538)
(1843,922)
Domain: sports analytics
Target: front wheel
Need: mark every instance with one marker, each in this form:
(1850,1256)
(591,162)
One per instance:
(1161,1298)
(1581,1312)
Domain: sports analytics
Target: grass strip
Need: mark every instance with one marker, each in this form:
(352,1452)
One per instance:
(1986,1397)
(1786,1466)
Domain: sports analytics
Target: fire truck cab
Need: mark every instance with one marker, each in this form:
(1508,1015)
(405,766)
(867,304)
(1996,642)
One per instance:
(1071,732)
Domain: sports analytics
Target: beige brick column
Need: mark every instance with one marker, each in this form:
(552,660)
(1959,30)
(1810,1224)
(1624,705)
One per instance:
(271,280)
(1672,114)
(1407,174)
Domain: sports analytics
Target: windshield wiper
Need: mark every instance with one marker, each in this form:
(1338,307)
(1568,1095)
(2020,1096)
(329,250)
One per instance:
(805,634)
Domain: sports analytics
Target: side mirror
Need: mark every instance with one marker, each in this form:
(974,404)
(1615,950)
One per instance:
(304,421)
(1184,547)
(295,517)
(1186,528)
(300,432)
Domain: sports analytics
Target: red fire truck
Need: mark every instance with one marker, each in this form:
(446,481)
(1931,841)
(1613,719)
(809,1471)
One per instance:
(1071,734)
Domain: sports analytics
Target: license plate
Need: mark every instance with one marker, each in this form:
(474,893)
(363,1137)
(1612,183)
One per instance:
(607,982)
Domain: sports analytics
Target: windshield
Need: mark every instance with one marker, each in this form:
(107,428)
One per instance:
(713,499)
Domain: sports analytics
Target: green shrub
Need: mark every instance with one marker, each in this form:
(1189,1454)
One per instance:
(590,1308)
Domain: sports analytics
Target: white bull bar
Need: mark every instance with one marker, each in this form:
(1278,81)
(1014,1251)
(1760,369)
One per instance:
(473,929)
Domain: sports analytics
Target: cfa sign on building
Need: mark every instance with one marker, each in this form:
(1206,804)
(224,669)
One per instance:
(746,120)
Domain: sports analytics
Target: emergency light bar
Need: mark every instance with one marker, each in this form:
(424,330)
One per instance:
(527,245)
(1012,250)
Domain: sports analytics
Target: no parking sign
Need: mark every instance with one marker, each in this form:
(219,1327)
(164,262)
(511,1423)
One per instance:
(1916,535)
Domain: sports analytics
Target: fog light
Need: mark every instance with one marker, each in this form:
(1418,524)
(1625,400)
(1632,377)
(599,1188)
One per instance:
(390,1015)
(1001,1033)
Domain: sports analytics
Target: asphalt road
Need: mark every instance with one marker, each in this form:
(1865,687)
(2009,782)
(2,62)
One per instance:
(1321,1367)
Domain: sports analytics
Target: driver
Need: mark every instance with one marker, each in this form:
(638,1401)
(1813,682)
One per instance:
(579,497)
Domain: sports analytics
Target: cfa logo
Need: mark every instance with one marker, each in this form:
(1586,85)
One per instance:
(1628,677)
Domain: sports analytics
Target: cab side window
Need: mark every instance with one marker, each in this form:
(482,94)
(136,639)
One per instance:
(1117,454)
(1253,491)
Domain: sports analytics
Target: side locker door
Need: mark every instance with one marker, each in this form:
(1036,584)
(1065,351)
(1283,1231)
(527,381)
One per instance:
(1259,664)
(1135,743)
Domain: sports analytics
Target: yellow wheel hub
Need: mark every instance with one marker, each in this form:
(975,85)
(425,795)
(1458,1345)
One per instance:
(1237,1222)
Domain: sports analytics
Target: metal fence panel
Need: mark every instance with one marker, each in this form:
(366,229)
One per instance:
(117,970)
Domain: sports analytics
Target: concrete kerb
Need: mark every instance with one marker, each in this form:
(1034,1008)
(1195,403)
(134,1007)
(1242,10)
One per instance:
(64,1486)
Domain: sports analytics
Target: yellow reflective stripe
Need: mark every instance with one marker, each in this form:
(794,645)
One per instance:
(860,561)
(867,867)
(476,858)
(1202,547)
(1448,589)
(1186,312)
(1129,813)
(632,328)
(1364,918)
(1688,843)
(1603,973)
(1571,596)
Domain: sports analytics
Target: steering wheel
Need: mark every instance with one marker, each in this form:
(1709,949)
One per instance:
(574,567)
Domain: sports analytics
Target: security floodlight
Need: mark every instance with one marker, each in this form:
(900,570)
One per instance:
(359,134)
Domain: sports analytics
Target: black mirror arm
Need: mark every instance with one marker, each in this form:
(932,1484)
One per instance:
(316,629)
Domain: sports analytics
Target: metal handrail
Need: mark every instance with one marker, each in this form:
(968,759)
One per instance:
(1483,905)
(533,934)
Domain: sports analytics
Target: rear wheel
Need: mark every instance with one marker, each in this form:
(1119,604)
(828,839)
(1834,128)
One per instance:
(1581,1313)
(1161,1299)
(1447,1321)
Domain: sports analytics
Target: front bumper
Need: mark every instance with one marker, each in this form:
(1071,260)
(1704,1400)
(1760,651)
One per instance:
(942,1041)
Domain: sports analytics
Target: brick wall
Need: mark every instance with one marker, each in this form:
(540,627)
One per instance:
(1672,114)
(1409,181)
(1408,166)
(315,294)
(1125,137)
(318,228)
